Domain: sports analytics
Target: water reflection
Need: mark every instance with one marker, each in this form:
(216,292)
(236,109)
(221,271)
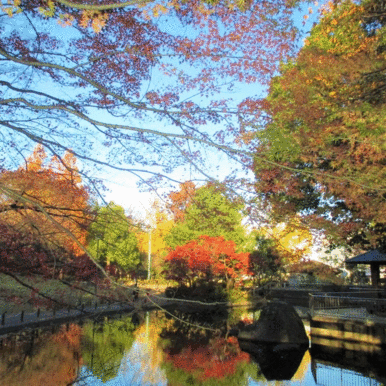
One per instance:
(331,364)
(202,356)
(146,354)
(155,349)
(275,363)
(104,344)
(37,358)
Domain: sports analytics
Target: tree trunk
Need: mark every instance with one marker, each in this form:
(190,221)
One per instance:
(230,283)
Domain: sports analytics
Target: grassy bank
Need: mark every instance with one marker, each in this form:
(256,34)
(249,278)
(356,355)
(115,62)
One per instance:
(15,297)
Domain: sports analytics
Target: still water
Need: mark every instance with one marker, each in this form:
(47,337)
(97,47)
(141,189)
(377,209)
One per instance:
(156,349)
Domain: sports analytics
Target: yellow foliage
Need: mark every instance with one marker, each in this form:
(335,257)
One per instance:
(66,20)
(293,240)
(12,7)
(49,10)
(85,19)
(161,225)
(99,22)
(36,159)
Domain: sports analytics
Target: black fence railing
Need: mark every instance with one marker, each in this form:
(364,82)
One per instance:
(357,303)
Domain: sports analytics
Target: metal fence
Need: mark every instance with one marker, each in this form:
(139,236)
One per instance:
(355,303)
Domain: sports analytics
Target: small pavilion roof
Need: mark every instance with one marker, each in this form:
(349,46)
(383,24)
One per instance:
(369,257)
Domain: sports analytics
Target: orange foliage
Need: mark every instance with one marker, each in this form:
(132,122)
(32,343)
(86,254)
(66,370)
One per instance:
(41,191)
(180,200)
(326,127)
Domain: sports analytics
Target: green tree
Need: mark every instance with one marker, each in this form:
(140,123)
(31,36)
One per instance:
(112,240)
(322,148)
(209,213)
(265,261)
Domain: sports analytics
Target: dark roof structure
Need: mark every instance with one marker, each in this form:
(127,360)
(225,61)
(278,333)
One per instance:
(369,257)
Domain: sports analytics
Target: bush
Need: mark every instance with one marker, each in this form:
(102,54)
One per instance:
(202,291)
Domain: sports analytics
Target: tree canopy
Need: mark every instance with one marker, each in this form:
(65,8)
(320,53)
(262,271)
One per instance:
(70,82)
(208,258)
(209,212)
(291,240)
(44,215)
(135,86)
(322,136)
(112,239)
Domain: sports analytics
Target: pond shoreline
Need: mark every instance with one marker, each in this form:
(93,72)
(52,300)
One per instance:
(18,321)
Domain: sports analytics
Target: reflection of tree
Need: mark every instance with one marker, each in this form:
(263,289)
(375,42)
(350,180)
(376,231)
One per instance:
(221,362)
(103,346)
(197,356)
(50,359)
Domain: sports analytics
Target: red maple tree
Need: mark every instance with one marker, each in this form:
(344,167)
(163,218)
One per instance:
(210,258)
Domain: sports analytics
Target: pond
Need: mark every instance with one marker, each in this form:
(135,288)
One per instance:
(158,349)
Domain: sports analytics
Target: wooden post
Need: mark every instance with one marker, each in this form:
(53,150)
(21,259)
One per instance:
(374,274)
(311,304)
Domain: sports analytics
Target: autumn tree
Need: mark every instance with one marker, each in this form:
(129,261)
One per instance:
(53,358)
(210,212)
(322,136)
(181,199)
(112,239)
(44,213)
(206,259)
(277,247)
(292,240)
(265,261)
(40,188)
